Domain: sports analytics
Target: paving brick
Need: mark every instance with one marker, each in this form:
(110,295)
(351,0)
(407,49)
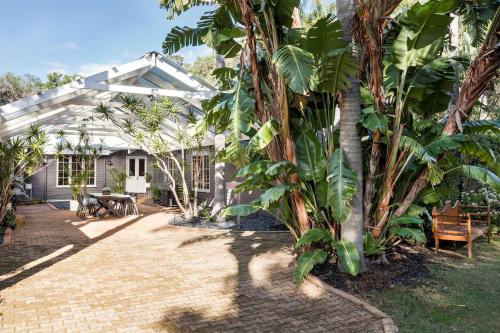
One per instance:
(137,274)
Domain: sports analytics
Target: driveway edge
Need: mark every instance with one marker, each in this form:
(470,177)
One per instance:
(387,322)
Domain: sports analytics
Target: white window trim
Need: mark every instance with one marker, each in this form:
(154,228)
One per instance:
(202,190)
(69,177)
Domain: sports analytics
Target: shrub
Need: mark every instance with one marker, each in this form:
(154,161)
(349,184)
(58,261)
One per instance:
(9,220)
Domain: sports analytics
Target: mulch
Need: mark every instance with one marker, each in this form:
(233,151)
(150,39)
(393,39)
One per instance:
(399,267)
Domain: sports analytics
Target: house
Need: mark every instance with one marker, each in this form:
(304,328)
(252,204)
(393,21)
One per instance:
(68,107)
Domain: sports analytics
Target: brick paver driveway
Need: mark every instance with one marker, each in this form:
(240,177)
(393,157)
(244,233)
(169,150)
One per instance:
(137,274)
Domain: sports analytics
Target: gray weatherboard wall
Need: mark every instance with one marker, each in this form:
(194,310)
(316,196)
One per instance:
(118,161)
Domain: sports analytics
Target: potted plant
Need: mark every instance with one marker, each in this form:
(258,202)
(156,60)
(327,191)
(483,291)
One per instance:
(148,180)
(155,194)
(8,224)
(106,190)
(120,178)
(75,186)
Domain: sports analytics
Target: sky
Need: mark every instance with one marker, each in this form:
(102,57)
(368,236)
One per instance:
(84,37)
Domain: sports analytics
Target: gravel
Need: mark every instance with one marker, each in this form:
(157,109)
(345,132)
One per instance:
(260,221)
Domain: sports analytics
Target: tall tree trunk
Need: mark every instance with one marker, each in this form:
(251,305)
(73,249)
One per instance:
(219,144)
(350,140)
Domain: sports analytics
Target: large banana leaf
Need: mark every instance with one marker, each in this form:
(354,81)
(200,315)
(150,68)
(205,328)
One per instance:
(311,162)
(295,65)
(240,120)
(314,235)
(324,37)
(480,126)
(482,175)
(415,148)
(273,194)
(348,256)
(306,263)
(335,71)
(240,210)
(482,153)
(422,35)
(264,136)
(411,234)
(342,185)
(180,37)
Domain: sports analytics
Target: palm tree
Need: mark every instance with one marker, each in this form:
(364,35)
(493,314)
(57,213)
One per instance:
(350,140)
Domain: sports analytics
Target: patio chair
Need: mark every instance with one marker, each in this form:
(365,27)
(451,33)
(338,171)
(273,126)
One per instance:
(86,203)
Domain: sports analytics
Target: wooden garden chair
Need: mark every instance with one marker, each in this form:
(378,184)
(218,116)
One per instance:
(461,223)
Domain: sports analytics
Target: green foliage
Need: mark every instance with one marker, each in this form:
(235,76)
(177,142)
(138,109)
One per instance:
(311,162)
(482,175)
(264,136)
(348,256)
(273,194)
(119,177)
(155,192)
(19,157)
(240,210)
(342,185)
(9,220)
(306,263)
(296,67)
(315,235)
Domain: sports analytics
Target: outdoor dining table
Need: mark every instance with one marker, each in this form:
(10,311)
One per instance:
(115,203)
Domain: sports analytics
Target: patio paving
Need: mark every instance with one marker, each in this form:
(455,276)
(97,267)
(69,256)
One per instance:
(137,274)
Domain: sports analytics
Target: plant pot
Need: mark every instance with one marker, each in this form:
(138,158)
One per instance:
(5,236)
(148,185)
(73,205)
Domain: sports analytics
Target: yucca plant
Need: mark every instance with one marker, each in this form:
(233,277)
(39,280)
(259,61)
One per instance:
(19,157)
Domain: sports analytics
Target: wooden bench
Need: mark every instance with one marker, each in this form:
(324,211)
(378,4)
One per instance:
(461,223)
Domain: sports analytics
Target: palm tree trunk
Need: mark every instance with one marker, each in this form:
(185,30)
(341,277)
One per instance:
(350,140)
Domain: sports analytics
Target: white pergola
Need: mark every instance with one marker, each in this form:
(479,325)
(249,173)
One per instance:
(67,107)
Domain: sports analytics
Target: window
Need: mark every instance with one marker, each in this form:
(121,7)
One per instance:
(70,166)
(172,169)
(200,176)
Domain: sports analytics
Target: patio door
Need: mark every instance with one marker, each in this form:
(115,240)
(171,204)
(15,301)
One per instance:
(136,174)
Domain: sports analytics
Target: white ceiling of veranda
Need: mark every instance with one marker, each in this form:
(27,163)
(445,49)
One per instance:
(67,107)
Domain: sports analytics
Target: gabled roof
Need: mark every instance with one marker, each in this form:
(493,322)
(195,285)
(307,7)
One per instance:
(68,106)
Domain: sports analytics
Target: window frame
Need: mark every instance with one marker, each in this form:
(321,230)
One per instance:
(203,155)
(70,163)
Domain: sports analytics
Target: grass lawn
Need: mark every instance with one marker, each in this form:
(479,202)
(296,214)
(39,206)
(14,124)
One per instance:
(461,295)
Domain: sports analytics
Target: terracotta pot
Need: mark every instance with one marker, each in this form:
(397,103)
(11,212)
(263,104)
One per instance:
(6,237)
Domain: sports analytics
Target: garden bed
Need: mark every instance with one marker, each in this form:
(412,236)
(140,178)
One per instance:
(398,268)
(260,221)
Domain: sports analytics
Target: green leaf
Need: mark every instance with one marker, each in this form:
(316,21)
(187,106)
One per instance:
(481,126)
(279,167)
(306,263)
(414,147)
(180,37)
(311,162)
(314,235)
(422,35)
(324,36)
(411,234)
(252,168)
(240,120)
(335,72)
(273,194)
(371,246)
(348,256)
(405,219)
(482,175)
(342,186)
(264,136)
(240,210)
(482,153)
(295,65)
(375,122)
